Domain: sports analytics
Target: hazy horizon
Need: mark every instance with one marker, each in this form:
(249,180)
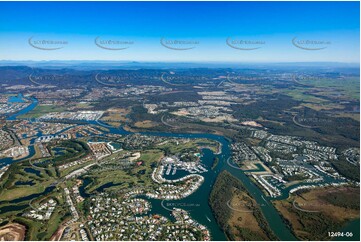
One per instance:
(181,31)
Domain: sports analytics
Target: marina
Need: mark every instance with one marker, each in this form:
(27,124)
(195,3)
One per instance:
(201,195)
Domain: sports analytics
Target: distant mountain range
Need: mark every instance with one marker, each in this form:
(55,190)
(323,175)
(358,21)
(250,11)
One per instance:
(98,64)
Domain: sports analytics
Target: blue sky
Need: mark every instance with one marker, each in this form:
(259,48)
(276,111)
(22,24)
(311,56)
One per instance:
(207,24)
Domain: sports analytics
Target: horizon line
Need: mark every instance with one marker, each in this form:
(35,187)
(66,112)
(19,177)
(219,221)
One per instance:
(198,61)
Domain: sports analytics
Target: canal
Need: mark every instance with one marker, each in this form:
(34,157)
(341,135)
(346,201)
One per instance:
(197,203)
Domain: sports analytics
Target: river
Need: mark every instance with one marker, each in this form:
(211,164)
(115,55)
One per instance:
(197,203)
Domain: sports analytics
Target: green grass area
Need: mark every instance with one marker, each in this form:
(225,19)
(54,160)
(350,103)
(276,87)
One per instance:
(187,151)
(207,143)
(150,156)
(139,174)
(41,110)
(58,216)
(100,178)
(301,95)
(56,219)
(40,230)
(83,105)
(16,173)
(149,160)
(68,170)
(71,150)
(319,93)
(172,147)
(349,86)
(124,178)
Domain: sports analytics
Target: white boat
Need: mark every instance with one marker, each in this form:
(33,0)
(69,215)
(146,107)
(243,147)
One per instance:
(169,169)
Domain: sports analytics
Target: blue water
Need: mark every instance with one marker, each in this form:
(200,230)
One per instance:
(27,198)
(6,161)
(33,171)
(201,196)
(16,99)
(351,227)
(33,104)
(24,183)
(59,150)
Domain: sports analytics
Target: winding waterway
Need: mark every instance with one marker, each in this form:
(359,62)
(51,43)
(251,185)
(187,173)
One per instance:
(197,203)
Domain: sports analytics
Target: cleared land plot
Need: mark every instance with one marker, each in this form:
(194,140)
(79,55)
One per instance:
(12,232)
